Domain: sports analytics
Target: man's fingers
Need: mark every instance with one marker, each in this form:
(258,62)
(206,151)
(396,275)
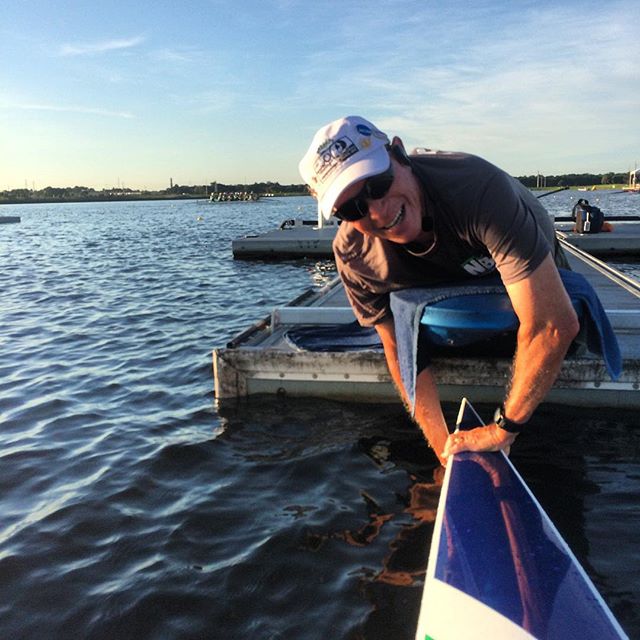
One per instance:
(489,438)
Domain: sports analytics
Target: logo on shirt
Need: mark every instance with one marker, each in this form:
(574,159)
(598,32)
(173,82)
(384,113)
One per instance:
(479,265)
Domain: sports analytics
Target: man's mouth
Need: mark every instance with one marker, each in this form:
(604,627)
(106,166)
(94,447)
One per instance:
(397,220)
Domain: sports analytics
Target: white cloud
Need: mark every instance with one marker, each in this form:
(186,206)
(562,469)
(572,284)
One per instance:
(91,48)
(173,55)
(489,79)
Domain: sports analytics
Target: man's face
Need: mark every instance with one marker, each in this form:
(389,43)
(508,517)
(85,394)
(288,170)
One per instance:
(397,216)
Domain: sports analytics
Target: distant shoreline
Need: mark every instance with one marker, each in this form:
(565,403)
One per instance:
(140,197)
(123,198)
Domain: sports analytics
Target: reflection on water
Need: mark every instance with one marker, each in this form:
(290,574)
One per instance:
(398,530)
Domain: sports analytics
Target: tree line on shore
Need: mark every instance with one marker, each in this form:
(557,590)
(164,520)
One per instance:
(574,179)
(83,194)
(79,193)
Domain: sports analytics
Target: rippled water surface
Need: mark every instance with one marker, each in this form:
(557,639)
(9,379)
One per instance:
(132,507)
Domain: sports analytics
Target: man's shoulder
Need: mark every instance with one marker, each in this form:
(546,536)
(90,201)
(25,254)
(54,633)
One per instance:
(454,159)
(460,179)
(427,153)
(348,243)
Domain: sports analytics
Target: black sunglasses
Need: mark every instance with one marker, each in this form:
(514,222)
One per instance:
(374,188)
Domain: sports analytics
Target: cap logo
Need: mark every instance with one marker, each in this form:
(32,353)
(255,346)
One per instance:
(331,154)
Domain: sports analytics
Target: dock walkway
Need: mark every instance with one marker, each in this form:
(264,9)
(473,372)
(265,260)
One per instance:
(302,239)
(624,240)
(260,360)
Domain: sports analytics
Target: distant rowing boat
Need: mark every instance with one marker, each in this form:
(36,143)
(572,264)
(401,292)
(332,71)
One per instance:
(235,196)
(498,568)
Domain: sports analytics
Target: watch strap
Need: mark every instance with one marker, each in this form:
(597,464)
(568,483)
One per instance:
(504,423)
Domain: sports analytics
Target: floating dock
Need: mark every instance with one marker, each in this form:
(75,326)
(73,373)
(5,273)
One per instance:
(306,239)
(292,239)
(9,219)
(624,240)
(262,360)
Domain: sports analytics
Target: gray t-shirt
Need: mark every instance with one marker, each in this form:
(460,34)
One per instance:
(482,219)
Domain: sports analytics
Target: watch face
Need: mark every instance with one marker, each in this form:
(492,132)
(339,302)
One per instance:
(505,423)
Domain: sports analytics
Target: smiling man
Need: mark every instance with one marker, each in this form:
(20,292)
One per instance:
(434,217)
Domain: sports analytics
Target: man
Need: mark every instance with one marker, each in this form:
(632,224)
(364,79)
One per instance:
(424,219)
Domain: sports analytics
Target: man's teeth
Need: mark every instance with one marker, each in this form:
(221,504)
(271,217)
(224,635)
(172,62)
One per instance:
(399,217)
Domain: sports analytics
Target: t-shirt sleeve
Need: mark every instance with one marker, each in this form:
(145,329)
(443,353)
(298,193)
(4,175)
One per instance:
(368,307)
(506,223)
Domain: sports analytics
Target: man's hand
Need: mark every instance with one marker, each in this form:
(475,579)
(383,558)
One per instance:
(489,438)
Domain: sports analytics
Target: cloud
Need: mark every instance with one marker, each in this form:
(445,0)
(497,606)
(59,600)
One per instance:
(172,55)
(487,79)
(104,46)
(95,111)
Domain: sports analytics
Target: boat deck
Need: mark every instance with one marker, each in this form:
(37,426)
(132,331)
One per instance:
(260,360)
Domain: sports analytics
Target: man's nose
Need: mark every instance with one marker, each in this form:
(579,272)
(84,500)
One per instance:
(378,209)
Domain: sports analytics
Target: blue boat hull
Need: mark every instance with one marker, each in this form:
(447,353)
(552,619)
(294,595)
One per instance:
(463,320)
(498,567)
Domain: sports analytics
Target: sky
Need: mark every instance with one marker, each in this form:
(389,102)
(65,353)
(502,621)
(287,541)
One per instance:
(137,93)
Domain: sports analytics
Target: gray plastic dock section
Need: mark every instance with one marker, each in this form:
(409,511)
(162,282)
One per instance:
(258,361)
(298,239)
(303,240)
(623,240)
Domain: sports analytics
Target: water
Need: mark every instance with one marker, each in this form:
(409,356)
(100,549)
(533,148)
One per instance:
(132,507)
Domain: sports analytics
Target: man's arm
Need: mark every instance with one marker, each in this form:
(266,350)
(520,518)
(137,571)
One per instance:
(548,324)
(428,412)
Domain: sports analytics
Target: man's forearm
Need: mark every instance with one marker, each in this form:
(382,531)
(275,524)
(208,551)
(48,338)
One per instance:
(394,370)
(536,366)
(427,412)
(548,324)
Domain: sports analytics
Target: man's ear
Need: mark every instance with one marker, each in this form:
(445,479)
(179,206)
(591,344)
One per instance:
(398,151)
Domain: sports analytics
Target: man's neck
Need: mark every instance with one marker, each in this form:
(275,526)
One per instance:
(422,244)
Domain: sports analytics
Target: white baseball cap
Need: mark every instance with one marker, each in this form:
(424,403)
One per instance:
(342,153)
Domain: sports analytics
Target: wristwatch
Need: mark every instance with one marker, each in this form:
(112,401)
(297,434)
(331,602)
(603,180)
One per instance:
(504,423)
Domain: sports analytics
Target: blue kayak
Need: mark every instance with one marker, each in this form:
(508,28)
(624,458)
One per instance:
(498,568)
(462,320)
